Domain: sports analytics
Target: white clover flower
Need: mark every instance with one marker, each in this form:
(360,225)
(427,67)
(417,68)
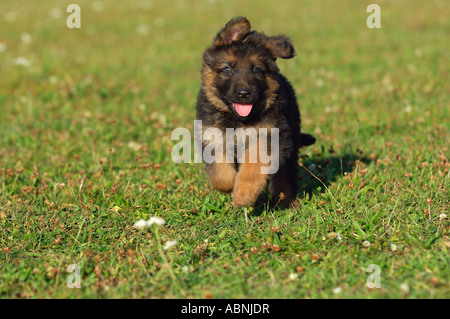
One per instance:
(442,216)
(335,235)
(293,276)
(319,82)
(337,290)
(185,269)
(169,244)
(135,146)
(156,220)
(26,38)
(140,224)
(21,61)
(366,243)
(394,247)
(404,288)
(143,29)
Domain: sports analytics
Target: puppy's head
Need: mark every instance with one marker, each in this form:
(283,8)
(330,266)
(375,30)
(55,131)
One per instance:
(240,75)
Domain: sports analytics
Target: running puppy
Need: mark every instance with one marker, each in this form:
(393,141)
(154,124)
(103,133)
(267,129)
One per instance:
(243,89)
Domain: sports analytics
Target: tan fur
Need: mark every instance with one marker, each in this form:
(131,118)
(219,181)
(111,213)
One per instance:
(271,91)
(211,92)
(249,181)
(221,177)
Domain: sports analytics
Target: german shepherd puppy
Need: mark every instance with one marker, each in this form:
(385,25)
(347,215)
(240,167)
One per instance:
(242,88)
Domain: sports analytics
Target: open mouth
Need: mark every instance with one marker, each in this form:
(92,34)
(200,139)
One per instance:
(242,109)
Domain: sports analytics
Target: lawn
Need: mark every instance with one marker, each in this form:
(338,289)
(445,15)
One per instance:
(86,117)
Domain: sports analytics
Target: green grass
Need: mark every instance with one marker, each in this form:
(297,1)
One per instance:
(86,127)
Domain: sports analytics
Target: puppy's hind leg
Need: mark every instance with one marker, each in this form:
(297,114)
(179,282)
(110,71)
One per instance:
(283,186)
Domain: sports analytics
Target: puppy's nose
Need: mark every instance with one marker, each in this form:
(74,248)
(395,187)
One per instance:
(244,93)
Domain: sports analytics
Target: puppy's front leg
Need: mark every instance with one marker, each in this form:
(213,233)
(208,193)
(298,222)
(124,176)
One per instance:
(221,176)
(250,182)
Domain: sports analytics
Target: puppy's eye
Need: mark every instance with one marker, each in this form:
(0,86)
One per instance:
(256,69)
(227,71)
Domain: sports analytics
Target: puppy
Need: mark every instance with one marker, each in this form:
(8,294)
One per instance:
(244,92)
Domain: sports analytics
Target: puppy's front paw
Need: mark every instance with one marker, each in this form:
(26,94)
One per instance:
(247,189)
(221,177)
(244,193)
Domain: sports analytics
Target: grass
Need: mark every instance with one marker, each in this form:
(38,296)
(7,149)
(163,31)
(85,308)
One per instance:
(85,150)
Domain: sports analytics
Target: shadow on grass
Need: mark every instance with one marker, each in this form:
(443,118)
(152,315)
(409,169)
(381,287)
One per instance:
(326,168)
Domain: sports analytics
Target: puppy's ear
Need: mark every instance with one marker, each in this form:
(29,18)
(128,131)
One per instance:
(281,47)
(233,31)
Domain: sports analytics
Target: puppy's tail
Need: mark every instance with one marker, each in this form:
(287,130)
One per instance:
(305,140)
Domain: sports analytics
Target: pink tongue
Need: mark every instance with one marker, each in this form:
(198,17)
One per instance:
(243,109)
